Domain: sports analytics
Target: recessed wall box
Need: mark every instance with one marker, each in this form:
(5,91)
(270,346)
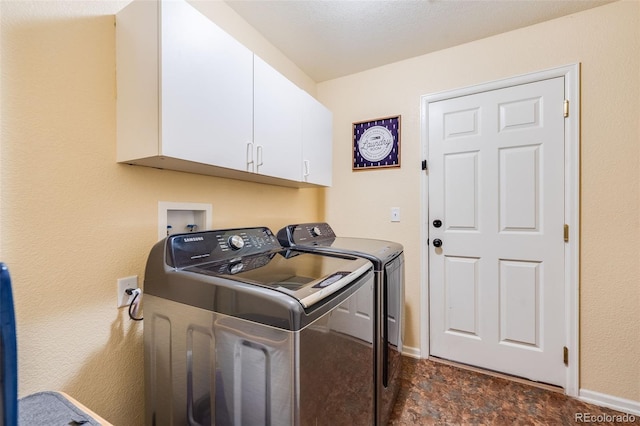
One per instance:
(178,218)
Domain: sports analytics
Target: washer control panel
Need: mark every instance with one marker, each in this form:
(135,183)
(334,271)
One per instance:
(219,245)
(315,233)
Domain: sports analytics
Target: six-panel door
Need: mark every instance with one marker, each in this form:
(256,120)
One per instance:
(496,183)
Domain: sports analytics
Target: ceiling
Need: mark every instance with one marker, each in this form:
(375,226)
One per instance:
(332,38)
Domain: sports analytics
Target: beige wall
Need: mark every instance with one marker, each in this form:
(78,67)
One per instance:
(73,221)
(606,41)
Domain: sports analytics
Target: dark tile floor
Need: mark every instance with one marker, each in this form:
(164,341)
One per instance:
(436,393)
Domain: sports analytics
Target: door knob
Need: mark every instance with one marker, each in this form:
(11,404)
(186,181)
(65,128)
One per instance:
(437,223)
(437,242)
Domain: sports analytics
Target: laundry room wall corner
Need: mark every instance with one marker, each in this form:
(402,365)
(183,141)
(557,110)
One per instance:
(74,221)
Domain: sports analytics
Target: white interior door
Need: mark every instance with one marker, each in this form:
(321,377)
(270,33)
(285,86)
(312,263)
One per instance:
(496,184)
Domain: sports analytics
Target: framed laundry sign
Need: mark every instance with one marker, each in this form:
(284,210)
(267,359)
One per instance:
(376,143)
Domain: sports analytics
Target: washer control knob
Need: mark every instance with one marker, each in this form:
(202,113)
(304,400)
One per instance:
(315,231)
(236,242)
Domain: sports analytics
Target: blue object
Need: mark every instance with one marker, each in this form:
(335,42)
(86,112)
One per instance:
(44,408)
(8,352)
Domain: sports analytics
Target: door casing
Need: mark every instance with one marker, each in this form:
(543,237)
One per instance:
(571,74)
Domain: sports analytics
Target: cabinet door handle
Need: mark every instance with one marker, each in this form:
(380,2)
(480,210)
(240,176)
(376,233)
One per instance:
(307,169)
(250,162)
(259,157)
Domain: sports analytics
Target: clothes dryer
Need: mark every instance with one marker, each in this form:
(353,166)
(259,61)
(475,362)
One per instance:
(388,260)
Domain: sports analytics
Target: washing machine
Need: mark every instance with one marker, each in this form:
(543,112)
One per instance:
(241,331)
(388,260)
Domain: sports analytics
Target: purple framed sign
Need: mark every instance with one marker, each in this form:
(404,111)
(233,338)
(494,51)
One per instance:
(376,143)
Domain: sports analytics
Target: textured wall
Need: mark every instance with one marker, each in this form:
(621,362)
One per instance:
(73,221)
(606,41)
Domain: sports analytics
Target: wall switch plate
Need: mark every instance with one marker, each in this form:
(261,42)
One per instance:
(124,283)
(395,214)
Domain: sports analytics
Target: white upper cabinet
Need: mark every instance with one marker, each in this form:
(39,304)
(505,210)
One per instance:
(206,88)
(192,98)
(317,141)
(277,123)
(185,87)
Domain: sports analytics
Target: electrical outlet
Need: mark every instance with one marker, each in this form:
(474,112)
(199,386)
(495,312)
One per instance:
(395,214)
(124,283)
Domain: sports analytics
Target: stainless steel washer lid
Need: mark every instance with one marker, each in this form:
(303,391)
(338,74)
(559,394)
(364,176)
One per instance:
(307,277)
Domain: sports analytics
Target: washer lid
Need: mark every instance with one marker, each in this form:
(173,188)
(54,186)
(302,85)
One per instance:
(379,249)
(308,277)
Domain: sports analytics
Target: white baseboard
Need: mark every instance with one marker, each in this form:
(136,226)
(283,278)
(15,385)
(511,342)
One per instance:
(411,352)
(609,401)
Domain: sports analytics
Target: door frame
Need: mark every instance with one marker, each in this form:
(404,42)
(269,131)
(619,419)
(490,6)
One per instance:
(571,74)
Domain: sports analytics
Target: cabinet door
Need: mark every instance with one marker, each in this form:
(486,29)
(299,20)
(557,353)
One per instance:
(277,123)
(206,84)
(317,141)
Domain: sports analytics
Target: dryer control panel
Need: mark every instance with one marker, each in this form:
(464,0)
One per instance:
(315,233)
(217,246)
